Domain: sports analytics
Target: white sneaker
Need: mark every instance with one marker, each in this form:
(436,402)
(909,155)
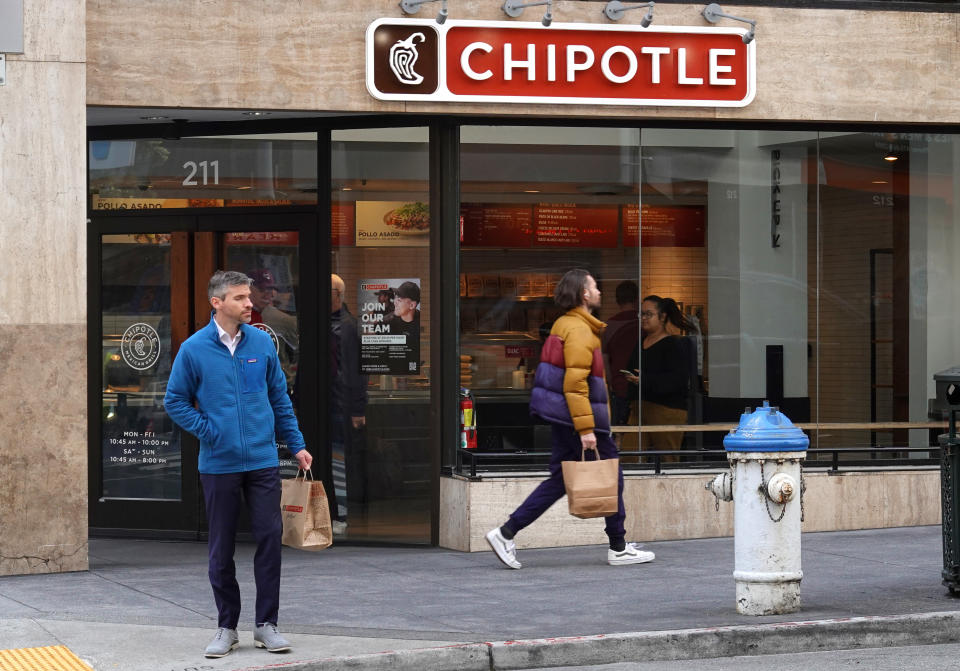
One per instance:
(505,550)
(630,555)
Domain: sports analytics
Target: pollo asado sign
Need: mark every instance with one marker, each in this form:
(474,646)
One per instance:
(567,63)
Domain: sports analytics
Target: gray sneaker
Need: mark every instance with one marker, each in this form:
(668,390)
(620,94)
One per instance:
(267,636)
(223,642)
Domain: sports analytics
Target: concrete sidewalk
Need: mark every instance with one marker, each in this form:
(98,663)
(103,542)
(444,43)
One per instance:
(147,606)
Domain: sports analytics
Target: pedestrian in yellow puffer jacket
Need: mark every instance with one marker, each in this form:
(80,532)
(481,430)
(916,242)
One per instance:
(570,393)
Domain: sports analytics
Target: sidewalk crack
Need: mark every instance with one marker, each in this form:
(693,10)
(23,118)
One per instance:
(152,596)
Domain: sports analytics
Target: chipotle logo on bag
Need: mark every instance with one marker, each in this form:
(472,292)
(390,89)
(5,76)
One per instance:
(293,509)
(502,61)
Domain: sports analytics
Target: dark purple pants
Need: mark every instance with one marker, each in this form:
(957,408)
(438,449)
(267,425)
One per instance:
(567,447)
(224,494)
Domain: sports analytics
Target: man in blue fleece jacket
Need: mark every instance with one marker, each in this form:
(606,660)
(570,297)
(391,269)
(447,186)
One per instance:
(231,371)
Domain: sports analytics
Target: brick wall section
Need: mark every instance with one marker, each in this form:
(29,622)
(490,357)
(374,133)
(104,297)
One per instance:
(850,226)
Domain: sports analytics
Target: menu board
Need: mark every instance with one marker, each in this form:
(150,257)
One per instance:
(343,224)
(260,238)
(493,225)
(573,225)
(664,225)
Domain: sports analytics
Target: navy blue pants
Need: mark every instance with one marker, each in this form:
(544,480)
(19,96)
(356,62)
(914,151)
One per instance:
(567,447)
(224,494)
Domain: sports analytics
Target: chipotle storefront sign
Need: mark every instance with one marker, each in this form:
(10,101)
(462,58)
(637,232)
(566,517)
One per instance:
(500,61)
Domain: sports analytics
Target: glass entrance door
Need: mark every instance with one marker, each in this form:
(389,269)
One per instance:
(151,296)
(142,471)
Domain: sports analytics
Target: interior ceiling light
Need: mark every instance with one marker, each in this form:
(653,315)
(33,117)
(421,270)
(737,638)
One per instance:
(615,9)
(154,118)
(413,6)
(514,8)
(255,113)
(531,190)
(244,188)
(891,157)
(879,181)
(347,188)
(714,12)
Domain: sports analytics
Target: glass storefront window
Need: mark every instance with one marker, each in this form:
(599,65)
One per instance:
(811,269)
(888,237)
(536,202)
(225,171)
(725,221)
(380,292)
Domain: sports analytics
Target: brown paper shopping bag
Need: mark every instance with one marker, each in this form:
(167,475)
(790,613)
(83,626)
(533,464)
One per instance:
(591,485)
(306,513)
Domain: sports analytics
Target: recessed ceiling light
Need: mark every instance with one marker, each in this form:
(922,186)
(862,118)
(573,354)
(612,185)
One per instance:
(891,157)
(154,118)
(531,190)
(255,113)
(244,188)
(879,181)
(347,188)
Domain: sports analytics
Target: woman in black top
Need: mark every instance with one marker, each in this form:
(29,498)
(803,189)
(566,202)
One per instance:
(663,361)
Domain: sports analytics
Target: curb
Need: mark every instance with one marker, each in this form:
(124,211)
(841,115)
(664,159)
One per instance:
(462,657)
(737,640)
(777,638)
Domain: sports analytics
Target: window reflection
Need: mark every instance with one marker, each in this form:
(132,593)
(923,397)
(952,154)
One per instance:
(271,259)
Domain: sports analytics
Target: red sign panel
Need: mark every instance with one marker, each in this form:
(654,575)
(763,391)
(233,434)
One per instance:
(572,225)
(491,225)
(503,61)
(664,225)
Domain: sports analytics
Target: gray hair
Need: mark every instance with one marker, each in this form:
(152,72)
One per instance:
(222,280)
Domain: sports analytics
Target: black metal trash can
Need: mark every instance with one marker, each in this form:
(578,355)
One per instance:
(946,406)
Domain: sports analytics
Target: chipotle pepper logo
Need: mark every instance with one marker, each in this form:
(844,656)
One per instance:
(403,56)
(406,59)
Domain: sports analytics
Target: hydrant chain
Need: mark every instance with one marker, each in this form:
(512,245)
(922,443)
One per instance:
(766,498)
(803,488)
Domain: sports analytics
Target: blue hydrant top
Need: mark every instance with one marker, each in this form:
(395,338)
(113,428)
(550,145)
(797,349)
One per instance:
(765,430)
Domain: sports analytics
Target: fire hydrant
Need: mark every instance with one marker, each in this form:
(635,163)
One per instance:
(765,483)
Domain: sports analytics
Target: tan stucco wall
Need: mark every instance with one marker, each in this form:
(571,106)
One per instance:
(671,507)
(43,445)
(812,64)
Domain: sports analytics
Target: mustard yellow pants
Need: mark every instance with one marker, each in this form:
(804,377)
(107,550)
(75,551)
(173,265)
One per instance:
(654,414)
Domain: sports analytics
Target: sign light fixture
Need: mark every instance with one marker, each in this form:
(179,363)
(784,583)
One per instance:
(514,8)
(714,12)
(615,10)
